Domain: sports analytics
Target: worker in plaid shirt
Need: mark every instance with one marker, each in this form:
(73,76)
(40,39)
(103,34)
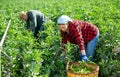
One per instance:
(84,34)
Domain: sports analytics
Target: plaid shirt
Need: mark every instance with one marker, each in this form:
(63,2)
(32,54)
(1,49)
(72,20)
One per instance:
(80,33)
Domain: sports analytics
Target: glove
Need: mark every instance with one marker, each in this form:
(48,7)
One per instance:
(84,58)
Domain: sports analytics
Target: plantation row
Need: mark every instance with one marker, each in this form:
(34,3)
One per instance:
(30,57)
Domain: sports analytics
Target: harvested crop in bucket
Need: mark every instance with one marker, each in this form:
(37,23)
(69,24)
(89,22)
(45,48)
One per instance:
(80,68)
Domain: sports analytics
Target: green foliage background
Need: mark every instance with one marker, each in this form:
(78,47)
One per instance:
(30,57)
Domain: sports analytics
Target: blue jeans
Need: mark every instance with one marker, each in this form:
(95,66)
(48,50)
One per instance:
(90,47)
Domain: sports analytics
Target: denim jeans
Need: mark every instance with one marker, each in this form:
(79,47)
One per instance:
(90,48)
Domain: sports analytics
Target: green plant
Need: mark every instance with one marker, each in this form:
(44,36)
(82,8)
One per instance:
(30,57)
(80,68)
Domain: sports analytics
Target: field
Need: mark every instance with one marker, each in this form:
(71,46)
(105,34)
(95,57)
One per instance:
(30,57)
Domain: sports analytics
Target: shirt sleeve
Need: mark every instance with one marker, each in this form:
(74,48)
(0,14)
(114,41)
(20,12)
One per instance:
(78,36)
(34,23)
(32,20)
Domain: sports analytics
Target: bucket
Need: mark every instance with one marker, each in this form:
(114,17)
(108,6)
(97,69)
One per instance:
(93,73)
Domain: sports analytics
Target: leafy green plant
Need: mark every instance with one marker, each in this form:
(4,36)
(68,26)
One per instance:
(80,68)
(41,57)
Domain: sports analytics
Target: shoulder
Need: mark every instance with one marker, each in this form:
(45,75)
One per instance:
(74,23)
(29,13)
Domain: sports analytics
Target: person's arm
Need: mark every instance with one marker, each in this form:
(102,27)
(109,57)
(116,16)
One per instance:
(34,23)
(83,52)
(79,38)
(80,42)
(32,19)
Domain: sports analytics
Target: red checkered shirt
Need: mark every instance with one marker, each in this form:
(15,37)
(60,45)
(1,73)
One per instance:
(80,33)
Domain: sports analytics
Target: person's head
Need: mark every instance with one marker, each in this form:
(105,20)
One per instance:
(63,22)
(23,15)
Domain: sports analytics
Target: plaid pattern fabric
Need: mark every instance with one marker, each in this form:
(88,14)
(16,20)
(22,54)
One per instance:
(80,33)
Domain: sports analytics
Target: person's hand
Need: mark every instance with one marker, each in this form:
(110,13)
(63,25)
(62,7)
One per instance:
(63,54)
(84,58)
(63,49)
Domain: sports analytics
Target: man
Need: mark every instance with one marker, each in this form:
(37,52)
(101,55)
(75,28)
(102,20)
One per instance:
(34,20)
(82,33)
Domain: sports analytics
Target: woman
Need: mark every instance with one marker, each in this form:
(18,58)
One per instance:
(84,34)
(34,20)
